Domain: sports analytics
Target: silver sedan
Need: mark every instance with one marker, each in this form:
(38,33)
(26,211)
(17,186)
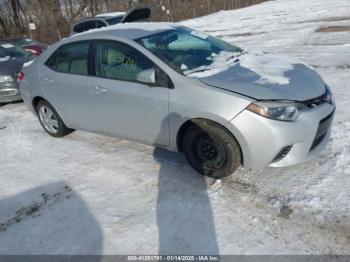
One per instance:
(169,86)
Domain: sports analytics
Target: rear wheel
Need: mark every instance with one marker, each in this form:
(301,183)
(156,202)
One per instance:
(211,150)
(50,120)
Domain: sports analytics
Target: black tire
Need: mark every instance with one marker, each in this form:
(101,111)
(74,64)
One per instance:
(211,149)
(60,129)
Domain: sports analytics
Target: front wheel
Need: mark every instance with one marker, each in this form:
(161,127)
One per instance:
(211,149)
(50,120)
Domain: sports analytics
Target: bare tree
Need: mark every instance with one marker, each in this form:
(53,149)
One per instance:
(15,11)
(55,17)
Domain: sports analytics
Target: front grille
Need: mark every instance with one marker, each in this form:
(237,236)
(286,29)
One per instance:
(322,130)
(282,154)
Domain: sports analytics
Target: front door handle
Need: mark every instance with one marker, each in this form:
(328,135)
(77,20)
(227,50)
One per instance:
(100,90)
(48,80)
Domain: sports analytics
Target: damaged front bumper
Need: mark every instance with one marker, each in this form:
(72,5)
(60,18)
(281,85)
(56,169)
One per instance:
(266,142)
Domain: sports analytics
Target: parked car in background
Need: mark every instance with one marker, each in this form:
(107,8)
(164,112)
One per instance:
(12,59)
(102,20)
(170,86)
(27,44)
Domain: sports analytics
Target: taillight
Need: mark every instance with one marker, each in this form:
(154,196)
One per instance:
(33,51)
(20,76)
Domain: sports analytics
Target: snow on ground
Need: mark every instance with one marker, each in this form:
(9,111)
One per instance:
(89,193)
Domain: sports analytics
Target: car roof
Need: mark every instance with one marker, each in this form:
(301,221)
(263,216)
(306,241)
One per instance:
(129,30)
(88,19)
(110,15)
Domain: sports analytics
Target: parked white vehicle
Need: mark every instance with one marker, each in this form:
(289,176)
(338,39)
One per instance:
(137,14)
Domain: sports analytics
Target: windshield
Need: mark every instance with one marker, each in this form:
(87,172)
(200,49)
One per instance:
(114,20)
(187,51)
(13,51)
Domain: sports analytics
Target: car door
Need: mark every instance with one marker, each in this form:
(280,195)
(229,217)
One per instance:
(66,85)
(126,107)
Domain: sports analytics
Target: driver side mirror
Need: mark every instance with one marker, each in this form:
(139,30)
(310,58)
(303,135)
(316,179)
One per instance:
(147,76)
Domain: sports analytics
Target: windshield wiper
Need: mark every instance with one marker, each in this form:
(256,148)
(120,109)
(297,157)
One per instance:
(198,71)
(237,56)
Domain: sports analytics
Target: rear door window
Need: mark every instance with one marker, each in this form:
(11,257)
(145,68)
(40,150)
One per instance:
(71,58)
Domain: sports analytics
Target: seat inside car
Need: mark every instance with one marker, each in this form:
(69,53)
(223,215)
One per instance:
(117,65)
(79,66)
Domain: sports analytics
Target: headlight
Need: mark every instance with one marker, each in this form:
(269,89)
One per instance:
(329,96)
(6,79)
(283,111)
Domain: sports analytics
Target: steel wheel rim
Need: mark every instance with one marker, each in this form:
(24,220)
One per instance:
(217,156)
(48,119)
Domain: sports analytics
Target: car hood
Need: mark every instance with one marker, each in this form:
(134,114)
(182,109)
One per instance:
(13,66)
(264,77)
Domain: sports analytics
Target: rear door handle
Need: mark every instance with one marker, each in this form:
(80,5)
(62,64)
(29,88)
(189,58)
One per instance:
(100,90)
